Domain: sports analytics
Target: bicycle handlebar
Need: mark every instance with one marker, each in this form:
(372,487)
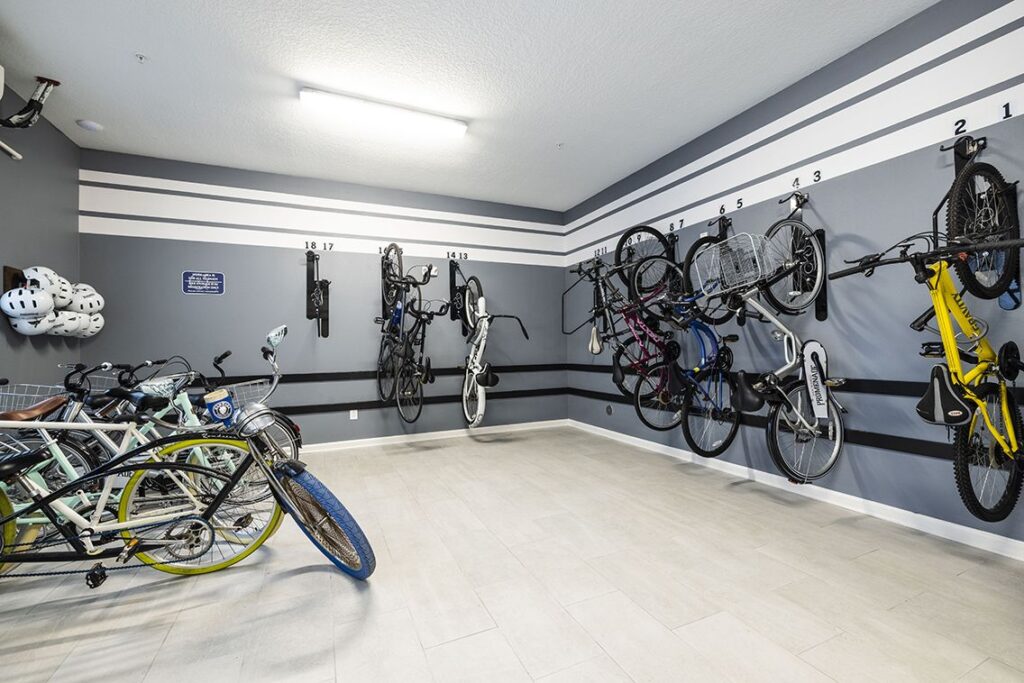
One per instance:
(867,264)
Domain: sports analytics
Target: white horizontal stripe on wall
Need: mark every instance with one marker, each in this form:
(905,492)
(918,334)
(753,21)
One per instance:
(930,132)
(123,227)
(986,66)
(937,48)
(229,192)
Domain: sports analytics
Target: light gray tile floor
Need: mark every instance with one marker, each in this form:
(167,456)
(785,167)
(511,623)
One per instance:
(549,555)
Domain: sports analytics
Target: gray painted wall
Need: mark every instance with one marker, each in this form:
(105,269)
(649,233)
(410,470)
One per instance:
(39,224)
(265,287)
(867,333)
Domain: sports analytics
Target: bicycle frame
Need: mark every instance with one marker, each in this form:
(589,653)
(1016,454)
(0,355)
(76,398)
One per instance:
(53,502)
(949,308)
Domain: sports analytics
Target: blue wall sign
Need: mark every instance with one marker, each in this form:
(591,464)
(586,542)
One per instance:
(202,282)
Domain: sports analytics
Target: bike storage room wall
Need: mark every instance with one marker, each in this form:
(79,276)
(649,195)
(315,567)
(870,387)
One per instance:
(576,341)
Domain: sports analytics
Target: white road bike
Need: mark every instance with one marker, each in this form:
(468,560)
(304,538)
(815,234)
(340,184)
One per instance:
(479,375)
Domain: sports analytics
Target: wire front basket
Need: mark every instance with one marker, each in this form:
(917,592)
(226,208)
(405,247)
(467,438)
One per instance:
(244,393)
(738,262)
(22,396)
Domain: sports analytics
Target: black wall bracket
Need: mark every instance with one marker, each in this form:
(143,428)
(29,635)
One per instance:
(318,299)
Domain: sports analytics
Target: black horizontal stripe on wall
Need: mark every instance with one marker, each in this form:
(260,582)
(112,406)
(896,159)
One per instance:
(427,400)
(888,442)
(301,377)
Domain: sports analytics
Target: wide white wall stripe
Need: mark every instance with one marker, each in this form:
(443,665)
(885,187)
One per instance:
(937,48)
(122,227)
(988,65)
(194,209)
(230,192)
(982,112)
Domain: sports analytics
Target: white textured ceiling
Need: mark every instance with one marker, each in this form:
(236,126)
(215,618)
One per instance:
(618,84)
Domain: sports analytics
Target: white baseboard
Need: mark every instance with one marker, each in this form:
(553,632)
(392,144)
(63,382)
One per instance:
(976,538)
(431,436)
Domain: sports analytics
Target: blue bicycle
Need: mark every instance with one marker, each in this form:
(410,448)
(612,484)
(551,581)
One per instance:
(698,398)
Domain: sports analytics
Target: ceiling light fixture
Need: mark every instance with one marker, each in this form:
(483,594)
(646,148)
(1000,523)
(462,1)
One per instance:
(382,116)
(89,125)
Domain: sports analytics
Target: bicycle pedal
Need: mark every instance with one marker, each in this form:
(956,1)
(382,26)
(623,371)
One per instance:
(129,550)
(834,382)
(95,577)
(243,522)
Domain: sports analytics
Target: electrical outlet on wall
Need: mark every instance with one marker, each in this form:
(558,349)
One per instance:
(353,414)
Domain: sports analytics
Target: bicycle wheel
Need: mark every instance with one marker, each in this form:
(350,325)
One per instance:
(800,453)
(409,392)
(709,421)
(629,359)
(710,307)
(793,242)
(659,285)
(989,481)
(474,398)
(243,522)
(391,271)
(327,523)
(635,245)
(474,292)
(9,530)
(658,400)
(285,435)
(77,456)
(386,369)
(979,211)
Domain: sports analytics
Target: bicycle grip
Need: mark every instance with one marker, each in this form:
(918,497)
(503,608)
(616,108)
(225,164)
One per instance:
(222,357)
(846,272)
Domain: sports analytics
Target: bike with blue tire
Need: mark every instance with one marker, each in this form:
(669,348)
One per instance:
(698,398)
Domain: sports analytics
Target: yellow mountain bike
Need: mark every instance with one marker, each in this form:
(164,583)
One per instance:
(989,432)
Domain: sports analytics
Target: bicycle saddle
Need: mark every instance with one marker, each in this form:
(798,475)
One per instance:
(14,464)
(36,411)
(746,399)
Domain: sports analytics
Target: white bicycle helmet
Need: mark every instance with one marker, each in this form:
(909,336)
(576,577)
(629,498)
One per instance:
(62,298)
(96,323)
(83,287)
(33,328)
(26,302)
(85,301)
(69,324)
(43,277)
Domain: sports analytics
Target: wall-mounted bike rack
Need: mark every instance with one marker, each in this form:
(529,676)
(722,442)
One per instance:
(965,148)
(456,293)
(317,296)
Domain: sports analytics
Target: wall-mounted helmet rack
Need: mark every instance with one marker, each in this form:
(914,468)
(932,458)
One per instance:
(965,149)
(317,296)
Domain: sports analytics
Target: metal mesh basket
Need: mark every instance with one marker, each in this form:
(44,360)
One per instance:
(245,393)
(738,262)
(22,396)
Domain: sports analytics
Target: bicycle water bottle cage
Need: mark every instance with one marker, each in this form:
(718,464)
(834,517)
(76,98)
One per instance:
(943,403)
(932,349)
(746,399)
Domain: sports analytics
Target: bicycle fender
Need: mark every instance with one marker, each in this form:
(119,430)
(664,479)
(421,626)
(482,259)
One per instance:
(290,468)
(815,374)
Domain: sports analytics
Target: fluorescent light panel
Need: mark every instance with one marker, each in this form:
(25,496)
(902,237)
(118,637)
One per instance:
(382,117)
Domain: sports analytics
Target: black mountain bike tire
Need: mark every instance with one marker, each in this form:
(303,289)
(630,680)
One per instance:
(733,414)
(624,255)
(959,220)
(961,465)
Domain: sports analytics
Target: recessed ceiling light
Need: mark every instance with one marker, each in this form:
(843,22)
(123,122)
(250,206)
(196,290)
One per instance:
(382,116)
(90,126)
